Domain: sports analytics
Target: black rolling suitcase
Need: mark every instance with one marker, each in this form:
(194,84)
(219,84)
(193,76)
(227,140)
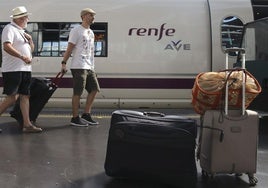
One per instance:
(152,146)
(41,90)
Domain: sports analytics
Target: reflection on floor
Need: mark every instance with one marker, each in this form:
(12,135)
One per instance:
(63,156)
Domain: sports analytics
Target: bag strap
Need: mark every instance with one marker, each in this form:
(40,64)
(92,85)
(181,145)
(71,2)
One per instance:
(224,97)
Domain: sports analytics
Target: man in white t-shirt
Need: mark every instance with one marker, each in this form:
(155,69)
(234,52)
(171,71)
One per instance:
(17,48)
(81,46)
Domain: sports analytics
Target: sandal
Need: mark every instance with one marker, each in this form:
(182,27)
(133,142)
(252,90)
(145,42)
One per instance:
(31,129)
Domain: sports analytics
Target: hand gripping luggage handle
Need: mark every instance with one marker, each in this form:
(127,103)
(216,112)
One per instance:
(58,77)
(242,51)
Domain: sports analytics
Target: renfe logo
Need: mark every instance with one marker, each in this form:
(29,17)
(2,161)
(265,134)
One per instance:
(159,32)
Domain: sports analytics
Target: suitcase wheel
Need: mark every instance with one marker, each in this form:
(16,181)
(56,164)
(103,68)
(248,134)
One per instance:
(252,179)
(206,175)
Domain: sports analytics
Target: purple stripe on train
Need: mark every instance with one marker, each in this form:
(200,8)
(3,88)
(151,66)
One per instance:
(135,83)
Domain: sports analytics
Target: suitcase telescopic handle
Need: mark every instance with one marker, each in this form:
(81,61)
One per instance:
(243,52)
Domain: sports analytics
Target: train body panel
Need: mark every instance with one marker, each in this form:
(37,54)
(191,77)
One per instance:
(152,49)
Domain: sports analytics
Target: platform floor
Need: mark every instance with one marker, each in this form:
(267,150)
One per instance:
(70,157)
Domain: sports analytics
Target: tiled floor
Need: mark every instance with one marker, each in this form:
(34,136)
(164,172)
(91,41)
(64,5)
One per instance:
(69,157)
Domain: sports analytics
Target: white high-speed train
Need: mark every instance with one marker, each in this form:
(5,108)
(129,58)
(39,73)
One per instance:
(148,52)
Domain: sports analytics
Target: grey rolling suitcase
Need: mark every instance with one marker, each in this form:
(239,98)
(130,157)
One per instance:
(229,139)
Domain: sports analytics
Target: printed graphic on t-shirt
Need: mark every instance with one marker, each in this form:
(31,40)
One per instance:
(87,46)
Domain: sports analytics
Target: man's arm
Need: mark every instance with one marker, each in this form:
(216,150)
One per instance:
(12,51)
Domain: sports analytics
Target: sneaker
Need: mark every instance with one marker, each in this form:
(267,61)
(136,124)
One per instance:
(31,129)
(77,121)
(87,118)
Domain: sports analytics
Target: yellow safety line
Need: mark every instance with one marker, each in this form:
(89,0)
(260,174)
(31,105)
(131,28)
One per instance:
(62,116)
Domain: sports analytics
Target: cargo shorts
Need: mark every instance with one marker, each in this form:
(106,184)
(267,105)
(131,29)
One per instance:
(84,79)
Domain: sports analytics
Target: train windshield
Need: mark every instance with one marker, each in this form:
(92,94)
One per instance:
(255,42)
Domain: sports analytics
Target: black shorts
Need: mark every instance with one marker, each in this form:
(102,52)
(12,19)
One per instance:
(16,82)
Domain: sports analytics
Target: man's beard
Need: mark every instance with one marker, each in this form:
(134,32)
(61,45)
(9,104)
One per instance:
(25,25)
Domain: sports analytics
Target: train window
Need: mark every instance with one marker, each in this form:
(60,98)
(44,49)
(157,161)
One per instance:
(231,32)
(51,38)
(2,25)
